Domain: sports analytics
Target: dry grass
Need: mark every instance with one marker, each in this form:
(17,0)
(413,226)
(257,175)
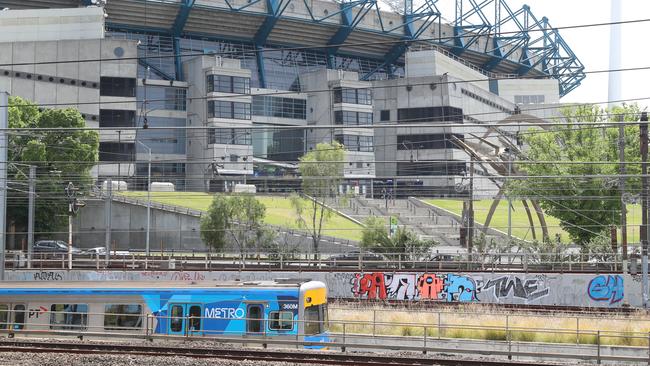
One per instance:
(479,322)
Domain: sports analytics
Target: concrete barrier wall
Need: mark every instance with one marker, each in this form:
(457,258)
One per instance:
(584,290)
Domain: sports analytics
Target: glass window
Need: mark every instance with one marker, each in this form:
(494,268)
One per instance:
(365,143)
(195,318)
(384,115)
(19,316)
(281,320)
(315,319)
(230,136)
(364,118)
(232,110)
(115,151)
(364,96)
(356,143)
(430,114)
(4,316)
(116,118)
(69,316)
(176,322)
(122,317)
(228,84)
(352,96)
(117,87)
(241,85)
(269,106)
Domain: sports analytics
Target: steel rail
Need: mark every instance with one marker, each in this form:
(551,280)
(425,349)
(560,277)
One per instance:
(297,356)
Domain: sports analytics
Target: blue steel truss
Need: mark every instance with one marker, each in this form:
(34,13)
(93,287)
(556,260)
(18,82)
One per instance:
(507,39)
(491,27)
(415,22)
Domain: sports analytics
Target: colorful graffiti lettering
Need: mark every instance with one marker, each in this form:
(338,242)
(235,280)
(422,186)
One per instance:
(400,286)
(430,286)
(460,289)
(529,289)
(369,286)
(606,288)
(446,287)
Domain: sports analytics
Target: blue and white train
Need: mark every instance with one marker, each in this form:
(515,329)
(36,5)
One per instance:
(282,308)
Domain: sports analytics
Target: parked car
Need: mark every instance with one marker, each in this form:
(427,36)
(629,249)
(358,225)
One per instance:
(53,246)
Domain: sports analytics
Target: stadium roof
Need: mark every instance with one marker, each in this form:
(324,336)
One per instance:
(488,34)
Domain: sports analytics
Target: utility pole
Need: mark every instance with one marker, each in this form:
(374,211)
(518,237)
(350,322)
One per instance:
(30,215)
(148,202)
(643,127)
(108,218)
(4,121)
(509,196)
(71,193)
(621,156)
(470,214)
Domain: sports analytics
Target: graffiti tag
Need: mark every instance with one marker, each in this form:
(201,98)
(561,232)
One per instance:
(606,288)
(528,289)
(447,287)
(48,276)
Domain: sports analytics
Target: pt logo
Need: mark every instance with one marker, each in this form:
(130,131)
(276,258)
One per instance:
(35,313)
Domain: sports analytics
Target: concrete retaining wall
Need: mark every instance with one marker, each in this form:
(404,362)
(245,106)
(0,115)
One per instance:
(584,290)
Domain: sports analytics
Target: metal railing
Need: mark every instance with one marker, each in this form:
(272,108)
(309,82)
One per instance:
(208,261)
(508,341)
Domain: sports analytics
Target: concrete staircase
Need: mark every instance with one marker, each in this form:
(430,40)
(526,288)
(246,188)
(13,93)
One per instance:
(423,219)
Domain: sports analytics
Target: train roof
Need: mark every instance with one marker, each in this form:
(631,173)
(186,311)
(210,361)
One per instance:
(278,283)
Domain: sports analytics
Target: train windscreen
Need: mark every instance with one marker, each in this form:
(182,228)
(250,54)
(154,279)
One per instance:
(316,319)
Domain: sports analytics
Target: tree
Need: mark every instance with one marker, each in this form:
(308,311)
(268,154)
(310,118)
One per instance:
(59,156)
(403,244)
(321,171)
(562,155)
(246,228)
(238,218)
(215,223)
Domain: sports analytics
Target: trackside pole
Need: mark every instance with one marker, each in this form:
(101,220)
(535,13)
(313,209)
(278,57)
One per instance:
(4,121)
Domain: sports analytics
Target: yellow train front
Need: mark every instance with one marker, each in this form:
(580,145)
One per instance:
(282,309)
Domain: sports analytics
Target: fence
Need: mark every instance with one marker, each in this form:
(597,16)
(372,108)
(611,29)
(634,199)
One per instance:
(508,341)
(201,260)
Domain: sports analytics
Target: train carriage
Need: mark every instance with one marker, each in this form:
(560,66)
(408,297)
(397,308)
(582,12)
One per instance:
(280,308)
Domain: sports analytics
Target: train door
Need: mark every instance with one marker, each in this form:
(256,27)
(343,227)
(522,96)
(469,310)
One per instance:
(255,319)
(12,316)
(185,319)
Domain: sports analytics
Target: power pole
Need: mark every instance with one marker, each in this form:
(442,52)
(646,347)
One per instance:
(4,121)
(643,127)
(71,193)
(30,215)
(470,213)
(108,218)
(621,156)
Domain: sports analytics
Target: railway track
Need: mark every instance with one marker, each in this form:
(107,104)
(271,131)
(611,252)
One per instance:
(294,356)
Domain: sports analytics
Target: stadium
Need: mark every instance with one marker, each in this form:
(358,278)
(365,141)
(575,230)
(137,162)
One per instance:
(246,87)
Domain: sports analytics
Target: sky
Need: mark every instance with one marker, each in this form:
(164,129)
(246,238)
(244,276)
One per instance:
(591,45)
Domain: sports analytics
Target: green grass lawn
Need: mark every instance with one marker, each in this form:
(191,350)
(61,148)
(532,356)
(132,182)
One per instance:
(520,224)
(278,211)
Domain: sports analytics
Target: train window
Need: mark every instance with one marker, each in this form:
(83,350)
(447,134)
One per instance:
(315,319)
(19,316)
(281,320)
(69,316)
(176,322)
(4,316)
(122,316)
(195,318)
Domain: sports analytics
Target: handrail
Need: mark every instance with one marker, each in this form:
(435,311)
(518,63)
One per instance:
(202,260)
